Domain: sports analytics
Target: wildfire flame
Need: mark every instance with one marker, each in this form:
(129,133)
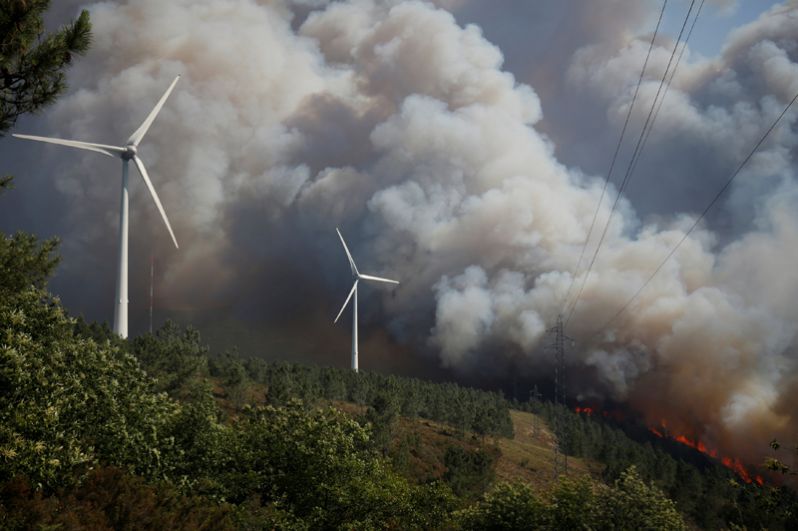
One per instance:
(732,463)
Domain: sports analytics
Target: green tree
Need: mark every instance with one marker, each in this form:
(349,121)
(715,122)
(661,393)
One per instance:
(508,507)
(572,506)
(382,414)
(68,403)
(318,464)
(468,472)
(112,499)
(173,356)
(32,62)
(634,504)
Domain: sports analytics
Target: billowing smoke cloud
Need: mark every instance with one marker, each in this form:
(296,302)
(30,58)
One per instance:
(400,125)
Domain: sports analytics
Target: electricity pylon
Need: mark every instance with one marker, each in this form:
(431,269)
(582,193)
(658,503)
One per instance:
(558,346)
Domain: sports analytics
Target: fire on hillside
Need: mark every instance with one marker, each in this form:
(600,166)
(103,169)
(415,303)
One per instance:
(662,432)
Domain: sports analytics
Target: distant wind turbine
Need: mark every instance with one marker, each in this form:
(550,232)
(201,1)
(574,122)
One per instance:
(357,276)
(127,153)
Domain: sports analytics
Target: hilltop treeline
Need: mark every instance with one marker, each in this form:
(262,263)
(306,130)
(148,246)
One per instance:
(175,357)
(466,409)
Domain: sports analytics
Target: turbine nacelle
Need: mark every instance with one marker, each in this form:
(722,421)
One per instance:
(130,152)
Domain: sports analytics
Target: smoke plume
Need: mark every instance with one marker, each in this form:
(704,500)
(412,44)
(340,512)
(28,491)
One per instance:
(398,122)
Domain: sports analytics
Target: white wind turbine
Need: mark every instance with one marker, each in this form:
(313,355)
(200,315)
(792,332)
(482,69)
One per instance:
(358,276)
(127,153)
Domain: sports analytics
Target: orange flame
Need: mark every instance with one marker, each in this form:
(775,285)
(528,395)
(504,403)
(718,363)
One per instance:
(733,464)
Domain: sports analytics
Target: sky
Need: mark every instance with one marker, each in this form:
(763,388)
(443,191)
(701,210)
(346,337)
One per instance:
(461,146)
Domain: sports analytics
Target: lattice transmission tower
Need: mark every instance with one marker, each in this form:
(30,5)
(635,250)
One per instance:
(558,346)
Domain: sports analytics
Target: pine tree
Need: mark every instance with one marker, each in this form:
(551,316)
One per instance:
(32,61)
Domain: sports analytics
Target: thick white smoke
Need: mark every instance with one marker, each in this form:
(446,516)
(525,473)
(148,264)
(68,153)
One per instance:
(398,124)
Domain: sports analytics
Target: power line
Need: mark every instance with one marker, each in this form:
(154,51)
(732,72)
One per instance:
(636,153)
(615,155)
(701,217)
(632,163)
(670,80)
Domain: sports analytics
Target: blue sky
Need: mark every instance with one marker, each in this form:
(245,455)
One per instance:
(715,23)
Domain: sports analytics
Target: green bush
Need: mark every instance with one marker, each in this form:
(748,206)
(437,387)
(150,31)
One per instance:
(630,504)
(468,472)
(68,404)
(506,507)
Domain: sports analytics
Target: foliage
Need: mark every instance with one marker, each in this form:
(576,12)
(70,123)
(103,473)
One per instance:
(32,63)
(73,397)
(66,403)
(573,506)
(705,491)
(25,263)
(110,499)
(465,408)
(69,404)
(634,504)
(319,465)
(630,504)
(508,506)
(382,415)
(468,472)
(175,357)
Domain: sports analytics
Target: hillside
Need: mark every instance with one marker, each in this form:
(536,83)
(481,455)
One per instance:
(529,455)
(103,432)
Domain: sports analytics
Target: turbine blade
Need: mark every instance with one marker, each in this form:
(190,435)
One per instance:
(352,291)
(378,279)
(148,182)
(352,265)
(136,137)
(98,148)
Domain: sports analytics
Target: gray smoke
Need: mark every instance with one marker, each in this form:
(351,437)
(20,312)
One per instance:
(400,124)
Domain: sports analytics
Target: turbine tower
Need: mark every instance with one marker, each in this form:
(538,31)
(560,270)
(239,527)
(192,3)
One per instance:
(127,153)
(353,292)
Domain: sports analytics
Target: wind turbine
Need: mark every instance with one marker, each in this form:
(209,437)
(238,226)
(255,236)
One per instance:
(358,277)
(127,153)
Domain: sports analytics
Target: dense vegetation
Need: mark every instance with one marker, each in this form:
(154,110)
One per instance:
(467,409)
(711,495)
(629,503)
